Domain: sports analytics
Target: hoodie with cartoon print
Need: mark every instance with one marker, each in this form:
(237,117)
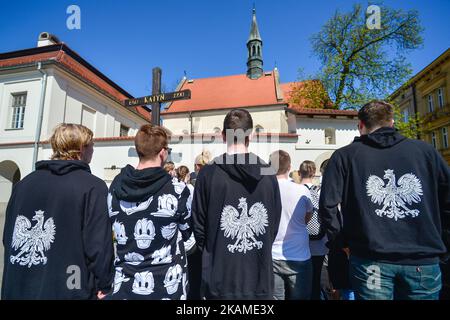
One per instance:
(150,221)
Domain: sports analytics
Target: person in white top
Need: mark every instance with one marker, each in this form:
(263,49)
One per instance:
(318,247)
(193,254)
(290,251)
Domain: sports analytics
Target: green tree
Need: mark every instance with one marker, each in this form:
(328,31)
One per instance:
(360,64)
(410,127)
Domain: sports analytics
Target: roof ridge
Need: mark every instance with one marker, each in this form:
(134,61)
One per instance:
(228,76)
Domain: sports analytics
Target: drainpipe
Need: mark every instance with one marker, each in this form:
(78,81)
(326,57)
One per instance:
(40,115)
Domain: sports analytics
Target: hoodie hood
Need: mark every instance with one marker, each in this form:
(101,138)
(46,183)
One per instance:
(382,138)
(62,167)
(136,185)
(243,167)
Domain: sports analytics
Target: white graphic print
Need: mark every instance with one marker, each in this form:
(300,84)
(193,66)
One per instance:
(32,242)
(167,206)
(119,232)
(162,256)
(244,227)
(173,279)
(184,284)
(189,243)
(133,207)
(179,239)
(144,233)
(178,186)
(183,227)
(169,231)
(143,283)
(110,212)
(118,279)
(394,197)
(116,260)
(134,258)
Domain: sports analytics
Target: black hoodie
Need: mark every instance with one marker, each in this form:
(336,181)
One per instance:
(65,207)
(395,199)
(236,211)
(150,220)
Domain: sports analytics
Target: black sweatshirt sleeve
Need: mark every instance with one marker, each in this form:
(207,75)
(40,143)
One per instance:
(444,199)
(199,209)
(278,208)
(331,193)
(97,237)
(185,224)
(7,231)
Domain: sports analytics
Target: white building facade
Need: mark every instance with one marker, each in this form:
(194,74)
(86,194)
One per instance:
(48,85)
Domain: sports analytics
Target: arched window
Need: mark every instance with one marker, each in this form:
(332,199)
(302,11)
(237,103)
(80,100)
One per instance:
(330,136)
(259,50)
(253,50)
(259,128)
(217,130)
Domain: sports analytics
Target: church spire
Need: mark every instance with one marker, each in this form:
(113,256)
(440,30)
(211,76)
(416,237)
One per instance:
(254,47)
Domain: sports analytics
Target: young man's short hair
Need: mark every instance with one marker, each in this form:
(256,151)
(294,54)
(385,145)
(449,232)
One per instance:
(307,169)
(238,119)
(149,141)
(68,139)
(284,161)
(376,113)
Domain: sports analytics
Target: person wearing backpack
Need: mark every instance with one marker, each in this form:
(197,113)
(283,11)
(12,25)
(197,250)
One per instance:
(290,251)
(317,238)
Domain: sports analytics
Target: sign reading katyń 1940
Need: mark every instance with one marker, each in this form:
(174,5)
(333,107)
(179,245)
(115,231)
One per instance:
(161,97)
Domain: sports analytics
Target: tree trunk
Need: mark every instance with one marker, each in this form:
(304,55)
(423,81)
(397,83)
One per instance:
(341,87)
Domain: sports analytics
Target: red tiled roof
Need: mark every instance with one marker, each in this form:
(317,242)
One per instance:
(227,92)
(240,91)
(70,60)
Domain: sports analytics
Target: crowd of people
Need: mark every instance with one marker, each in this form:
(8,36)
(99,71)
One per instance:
(373,222)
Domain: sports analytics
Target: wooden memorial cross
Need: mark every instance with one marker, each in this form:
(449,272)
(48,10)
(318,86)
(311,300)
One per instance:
(157,97)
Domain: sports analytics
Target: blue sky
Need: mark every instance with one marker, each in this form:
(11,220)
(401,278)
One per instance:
(205,38)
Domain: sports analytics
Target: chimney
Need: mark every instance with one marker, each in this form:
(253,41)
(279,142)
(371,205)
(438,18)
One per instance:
(47,39)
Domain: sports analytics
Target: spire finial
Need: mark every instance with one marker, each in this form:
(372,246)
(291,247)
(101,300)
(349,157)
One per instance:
(254,46)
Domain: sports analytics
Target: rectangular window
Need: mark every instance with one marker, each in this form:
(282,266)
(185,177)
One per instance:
(445,137)
(441,97)
(406,115)
(124,130)
(433,139)
(19,102)
(430,103)
(330,136)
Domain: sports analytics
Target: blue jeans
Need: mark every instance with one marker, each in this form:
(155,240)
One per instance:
(374,280)
(347,294)
(292,280)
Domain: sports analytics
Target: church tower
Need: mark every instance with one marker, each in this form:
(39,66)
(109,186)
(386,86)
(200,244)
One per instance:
(254,47)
